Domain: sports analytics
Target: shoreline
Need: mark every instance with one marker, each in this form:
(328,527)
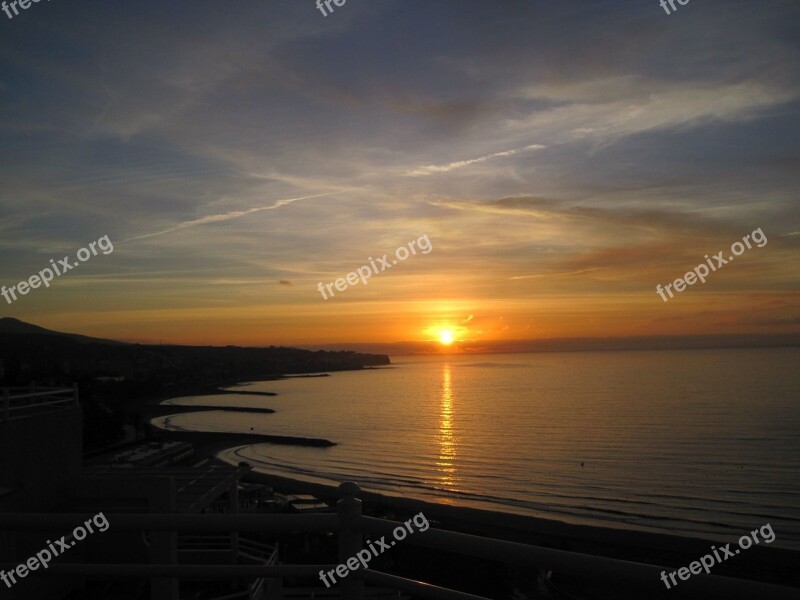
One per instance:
(763,563)
(156,398)
(152,407)
(187,408)
(206,440)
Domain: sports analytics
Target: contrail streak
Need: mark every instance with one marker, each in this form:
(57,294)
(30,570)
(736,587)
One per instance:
(228,216)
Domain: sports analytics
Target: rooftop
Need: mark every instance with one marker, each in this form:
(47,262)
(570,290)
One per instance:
(196,487)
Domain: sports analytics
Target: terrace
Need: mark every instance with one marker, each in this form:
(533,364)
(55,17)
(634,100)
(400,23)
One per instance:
(625,578)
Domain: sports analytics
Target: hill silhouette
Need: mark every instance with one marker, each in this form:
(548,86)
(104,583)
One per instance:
(10,325)
(32,353)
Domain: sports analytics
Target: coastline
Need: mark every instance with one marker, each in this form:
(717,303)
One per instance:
(774,565)
(763,563)
(204,440)
(157,397)
(210,439)
(169,409)
(152,406)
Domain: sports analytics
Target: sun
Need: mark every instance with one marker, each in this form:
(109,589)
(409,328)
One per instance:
(446,337)
(444,334)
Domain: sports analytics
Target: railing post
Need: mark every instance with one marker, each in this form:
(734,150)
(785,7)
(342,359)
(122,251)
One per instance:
(233,508)
(163,544)
(350,540)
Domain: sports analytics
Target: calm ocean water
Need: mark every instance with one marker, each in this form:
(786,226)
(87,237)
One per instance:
(702,442)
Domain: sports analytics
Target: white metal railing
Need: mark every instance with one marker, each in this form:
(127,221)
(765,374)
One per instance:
(262,588)
(247,548)
(26,402)
(351,527)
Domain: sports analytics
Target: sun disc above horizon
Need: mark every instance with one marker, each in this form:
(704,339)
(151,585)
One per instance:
(446,337)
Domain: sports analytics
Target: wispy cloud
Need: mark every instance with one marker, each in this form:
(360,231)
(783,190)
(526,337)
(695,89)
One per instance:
(226,216)
(430,169)
(541,275)
(652,147)
(666,106)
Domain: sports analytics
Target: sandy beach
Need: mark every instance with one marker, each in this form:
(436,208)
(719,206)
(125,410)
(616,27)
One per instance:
(775,565)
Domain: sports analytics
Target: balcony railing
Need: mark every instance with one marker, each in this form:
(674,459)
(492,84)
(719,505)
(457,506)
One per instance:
(22,403)
(351,526)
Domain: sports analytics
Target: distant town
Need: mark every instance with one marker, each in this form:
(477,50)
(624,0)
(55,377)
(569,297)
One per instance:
(119,383)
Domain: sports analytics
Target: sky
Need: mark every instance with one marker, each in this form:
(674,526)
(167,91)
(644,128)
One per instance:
(562,158)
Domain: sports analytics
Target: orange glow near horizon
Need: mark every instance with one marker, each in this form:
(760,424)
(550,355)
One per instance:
(468,321)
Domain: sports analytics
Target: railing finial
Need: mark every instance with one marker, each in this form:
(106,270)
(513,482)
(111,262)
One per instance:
(349,489)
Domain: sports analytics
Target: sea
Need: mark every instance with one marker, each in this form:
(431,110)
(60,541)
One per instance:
(699,443)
